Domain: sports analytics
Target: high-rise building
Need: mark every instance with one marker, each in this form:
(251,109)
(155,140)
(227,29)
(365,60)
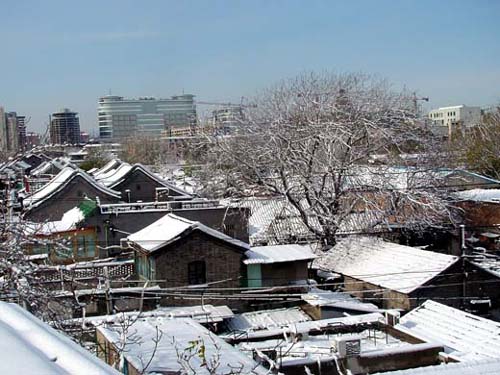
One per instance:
(21,128)
(64,127)
(12,132)
(121,118)
(3,131)
(10,127)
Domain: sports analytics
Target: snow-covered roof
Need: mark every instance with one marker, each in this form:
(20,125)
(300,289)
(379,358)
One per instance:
(389,265)
(267,319)
(59,182)
(68,222)
(274,221)
(480,195)
(488,262)
(339,300)
(170,228)
(58,163)
(200,314)
(307,326)
(278,254)
(110,165)
(176,336)
(465,336)
(29,346)
(114,177)
(479,367)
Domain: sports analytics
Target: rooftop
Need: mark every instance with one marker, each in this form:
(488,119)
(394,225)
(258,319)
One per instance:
(267,319)
(389,265)
(59,182)
(482,367)
(170,228)
(278,254)
(480,195)
(177,336)
(29,346)
(465,336)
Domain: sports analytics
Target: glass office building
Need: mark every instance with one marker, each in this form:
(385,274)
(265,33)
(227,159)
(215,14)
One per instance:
(121,118)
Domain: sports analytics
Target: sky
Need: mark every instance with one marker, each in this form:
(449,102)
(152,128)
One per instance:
(59,53)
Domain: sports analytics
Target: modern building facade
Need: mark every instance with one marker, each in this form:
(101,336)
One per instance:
(21,129)
(3,131)
(228,119)
(12,130)
(451,119)
(65,127)
(120,117)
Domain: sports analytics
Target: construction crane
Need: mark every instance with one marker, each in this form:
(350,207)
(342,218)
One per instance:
(241,105)
(415,99)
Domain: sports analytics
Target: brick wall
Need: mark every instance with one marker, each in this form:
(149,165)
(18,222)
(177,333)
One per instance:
(222,261)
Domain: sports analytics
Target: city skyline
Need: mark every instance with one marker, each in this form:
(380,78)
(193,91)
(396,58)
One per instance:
(221,51)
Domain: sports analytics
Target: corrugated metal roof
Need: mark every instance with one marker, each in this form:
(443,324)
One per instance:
(389,265)
(465,336)
(267,319)
(278,254)
(482,367)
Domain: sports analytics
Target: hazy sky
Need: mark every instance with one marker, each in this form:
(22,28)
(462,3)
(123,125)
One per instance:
(58,54)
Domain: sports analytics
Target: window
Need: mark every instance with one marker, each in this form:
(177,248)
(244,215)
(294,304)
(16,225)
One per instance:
(145,267)
(197,272)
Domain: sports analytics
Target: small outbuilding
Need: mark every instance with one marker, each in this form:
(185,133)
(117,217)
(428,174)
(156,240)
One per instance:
(278,264)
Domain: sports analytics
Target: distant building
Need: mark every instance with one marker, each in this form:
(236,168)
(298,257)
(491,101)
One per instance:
(121,118)
(84,137)
(64,127)
(451,119)
(32,139)
(228,119)
(21,131)
(3,131)
(11,130)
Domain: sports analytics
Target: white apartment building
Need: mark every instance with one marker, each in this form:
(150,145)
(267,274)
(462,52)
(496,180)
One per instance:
(121,118)
(449,119)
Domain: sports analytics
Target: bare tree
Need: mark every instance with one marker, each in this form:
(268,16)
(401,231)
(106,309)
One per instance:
(479,147)
(22,280)
(329,144)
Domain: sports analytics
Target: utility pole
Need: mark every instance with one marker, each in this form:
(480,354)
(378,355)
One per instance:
(463,248)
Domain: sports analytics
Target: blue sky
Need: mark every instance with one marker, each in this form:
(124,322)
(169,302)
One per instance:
(68,53)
